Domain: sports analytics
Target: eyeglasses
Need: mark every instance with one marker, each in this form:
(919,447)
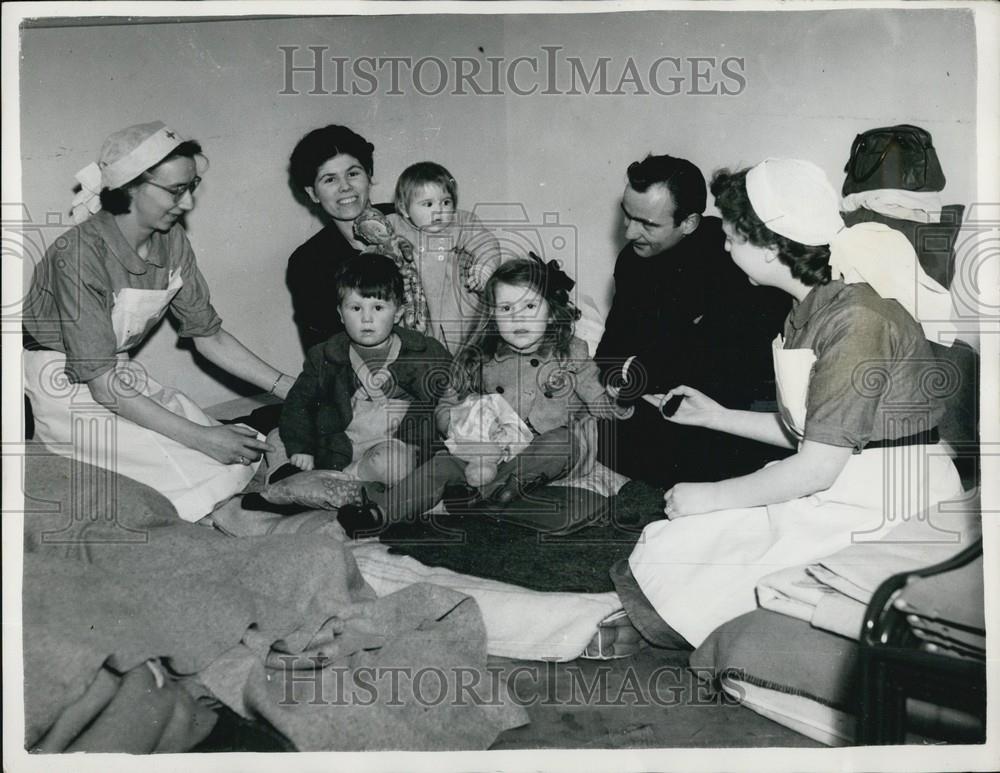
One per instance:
(177,191)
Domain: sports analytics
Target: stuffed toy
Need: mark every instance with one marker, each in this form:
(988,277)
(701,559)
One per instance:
(484,432)
(375,230)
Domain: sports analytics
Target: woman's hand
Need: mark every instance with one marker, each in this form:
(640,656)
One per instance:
(696,408)
(689,499)
(232,444)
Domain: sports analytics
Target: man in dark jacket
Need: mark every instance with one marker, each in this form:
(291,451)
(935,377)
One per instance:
(689,316)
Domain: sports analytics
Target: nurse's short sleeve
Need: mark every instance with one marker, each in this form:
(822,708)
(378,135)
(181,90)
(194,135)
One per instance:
(192,306)
(83,300)
(840,409)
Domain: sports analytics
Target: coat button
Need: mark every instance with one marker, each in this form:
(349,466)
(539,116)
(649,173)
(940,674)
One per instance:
(534,362)
(548,394)
(499,390)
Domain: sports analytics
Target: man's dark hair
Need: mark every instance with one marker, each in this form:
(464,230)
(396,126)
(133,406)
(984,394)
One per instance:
(372,276)
(320,145)
(683,179)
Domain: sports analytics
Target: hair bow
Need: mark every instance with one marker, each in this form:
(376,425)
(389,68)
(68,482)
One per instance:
(557,282)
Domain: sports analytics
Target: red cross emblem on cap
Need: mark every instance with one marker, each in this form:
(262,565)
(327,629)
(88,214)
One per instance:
(171,135)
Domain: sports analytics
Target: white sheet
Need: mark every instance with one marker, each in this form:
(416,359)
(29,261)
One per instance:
(520,623)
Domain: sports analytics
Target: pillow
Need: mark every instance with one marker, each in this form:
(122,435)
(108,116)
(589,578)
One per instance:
(590,327)
(786,670)
(320,489)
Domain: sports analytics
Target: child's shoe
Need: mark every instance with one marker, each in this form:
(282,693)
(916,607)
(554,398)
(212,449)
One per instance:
(513,489)
(364,520)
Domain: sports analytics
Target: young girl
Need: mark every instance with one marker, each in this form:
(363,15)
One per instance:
(454,254)
(521,347)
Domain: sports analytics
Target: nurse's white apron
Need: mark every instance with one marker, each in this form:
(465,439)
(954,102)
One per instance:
(71,423)
(700,571)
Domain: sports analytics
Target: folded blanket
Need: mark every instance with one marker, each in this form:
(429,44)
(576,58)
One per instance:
(520,623)
(834,593)
(273,626)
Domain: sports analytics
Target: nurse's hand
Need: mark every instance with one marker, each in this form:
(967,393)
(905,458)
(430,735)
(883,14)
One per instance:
(696,408)
(232,444)
(689,499)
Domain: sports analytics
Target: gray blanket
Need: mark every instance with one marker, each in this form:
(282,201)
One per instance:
(282,627)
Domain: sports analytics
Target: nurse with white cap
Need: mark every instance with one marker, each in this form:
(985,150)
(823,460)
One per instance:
(100,290)
(857,395)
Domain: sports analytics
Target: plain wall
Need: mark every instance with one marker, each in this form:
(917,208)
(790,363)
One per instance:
(812,81)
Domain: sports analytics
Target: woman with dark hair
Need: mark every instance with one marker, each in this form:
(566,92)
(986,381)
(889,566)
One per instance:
(100,290)
(332,167)
(852,370)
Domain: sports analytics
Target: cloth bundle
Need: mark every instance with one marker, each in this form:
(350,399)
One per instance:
(834,593)
(486,426)
(923,207)
(884,258)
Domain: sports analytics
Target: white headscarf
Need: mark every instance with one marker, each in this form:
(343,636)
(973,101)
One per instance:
(125,155)
(795,200)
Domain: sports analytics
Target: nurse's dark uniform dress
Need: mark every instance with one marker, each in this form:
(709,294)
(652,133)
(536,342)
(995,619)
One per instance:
(853,370)
(93,300)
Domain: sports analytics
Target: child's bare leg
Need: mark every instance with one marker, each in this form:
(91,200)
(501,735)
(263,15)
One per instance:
(388,462)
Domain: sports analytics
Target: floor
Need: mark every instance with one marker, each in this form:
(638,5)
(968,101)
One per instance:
(649,700)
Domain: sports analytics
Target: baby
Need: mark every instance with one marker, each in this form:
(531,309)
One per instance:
(454,254)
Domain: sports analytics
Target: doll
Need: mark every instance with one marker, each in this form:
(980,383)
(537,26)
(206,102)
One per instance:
(485,432)
(375,230)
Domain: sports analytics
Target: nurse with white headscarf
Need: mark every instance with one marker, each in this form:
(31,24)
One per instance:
(858,391)
(101,288)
